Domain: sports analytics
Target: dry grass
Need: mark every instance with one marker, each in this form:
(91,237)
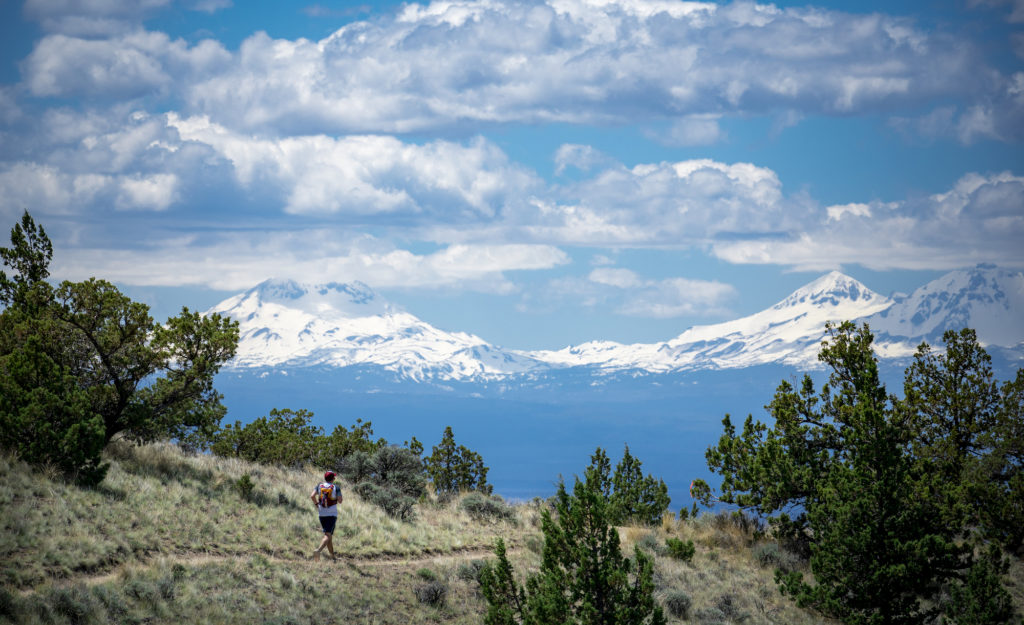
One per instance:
(167,538)
(724,582)
(159,501)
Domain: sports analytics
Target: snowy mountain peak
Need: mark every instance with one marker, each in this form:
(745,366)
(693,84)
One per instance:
(831,290)
(295,324)
(789,332)
(333,300)
(985,297)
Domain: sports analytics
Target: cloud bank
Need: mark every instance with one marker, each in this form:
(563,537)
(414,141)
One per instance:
(471,194)
(451,63)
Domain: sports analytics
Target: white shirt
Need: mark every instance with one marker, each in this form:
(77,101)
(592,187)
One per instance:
(328,510)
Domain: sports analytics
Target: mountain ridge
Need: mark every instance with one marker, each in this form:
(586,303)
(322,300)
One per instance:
(289,324)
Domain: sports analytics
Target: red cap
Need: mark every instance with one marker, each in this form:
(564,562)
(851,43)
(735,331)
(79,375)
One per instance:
(329,475)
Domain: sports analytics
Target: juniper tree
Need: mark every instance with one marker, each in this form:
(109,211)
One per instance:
(635,497)
(284,437)
(968,431)
(82,363)
(1002,518)
(331,450)
(583,579)
(878,546)
(453,468)
(632,497)
(868,512)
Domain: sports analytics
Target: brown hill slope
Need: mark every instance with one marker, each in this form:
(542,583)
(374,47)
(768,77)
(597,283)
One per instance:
(168,538)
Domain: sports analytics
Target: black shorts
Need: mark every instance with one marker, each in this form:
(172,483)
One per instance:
(328,522)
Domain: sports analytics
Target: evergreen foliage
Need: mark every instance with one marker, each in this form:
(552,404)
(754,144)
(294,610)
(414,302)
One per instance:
(981,599)
(970,433)
(287,437)
(342,442)
(454,468)
(680,550)
(631,496)
(883,494)
(583,578)
(82,363)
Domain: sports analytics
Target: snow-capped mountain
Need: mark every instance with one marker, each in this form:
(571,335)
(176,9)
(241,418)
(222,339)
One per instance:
(790,332)
(986,298)
(283,323)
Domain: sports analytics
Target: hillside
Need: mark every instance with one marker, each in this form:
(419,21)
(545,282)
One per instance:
(167,539)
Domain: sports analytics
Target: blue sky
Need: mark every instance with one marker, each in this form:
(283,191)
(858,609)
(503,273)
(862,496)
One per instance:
(538,172)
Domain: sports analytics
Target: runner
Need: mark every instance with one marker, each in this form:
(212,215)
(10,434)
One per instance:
(326,497)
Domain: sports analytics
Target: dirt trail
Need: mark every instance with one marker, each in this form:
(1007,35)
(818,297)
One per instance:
(356,563)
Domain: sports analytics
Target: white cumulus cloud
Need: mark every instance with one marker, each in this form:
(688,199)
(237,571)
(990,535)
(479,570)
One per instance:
(233,261)
(434,66)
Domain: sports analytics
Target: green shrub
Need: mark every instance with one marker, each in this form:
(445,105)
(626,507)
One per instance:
(244,487)
(582,567)
(285,437)
(768,554)
(36,606)
(680,550)
(633,498)
(649,543)
(481,507)
(432,593)
(678,604)
(771,555)
(178,572)
(711,616)
(470,571)
(427,574)
(535,544)
(7,603)
(166,587)
(112,602)
(393,480)
(142,590)
(75,603)
(388,499)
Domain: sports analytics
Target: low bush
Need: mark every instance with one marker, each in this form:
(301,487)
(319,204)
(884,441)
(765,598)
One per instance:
(728,605)
(7,603)
(432,593)
(649,543)
(773,556)
(387,498)
(244,487)
(470,571)
(678,604)
(142,590)
(680,550)
(392,479)
(113,603)
(427,574)
(535,544)
(482,507)
(76,604)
